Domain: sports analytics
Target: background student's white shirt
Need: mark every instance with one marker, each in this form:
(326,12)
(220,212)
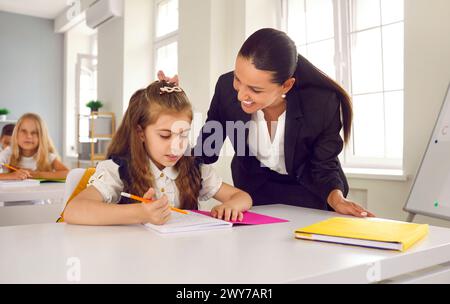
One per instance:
(25,162)
(106,180)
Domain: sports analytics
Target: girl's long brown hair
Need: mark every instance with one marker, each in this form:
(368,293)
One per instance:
(145,106)
(45,146)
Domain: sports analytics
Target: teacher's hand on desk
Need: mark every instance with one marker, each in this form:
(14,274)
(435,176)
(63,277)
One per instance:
(346,207)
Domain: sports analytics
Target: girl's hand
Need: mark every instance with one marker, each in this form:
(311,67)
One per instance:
(34,174)
(156,212)
(346,207)
(174,79)
(31,173)
(227,213)
(20,174)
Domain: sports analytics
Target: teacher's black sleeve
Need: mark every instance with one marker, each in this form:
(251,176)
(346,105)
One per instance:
(326,170)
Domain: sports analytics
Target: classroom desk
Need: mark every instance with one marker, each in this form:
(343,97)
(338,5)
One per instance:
(48,253)
(16,207)
(54,191)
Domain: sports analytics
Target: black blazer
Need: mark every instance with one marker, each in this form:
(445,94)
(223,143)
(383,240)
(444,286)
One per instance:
(312,140)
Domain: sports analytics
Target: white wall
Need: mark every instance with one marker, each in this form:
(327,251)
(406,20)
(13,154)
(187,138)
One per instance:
(110,66)
(194,45)
(138,47)
(31,70)
(124,55)
(260,14)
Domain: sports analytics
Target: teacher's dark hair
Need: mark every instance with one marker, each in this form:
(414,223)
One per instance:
(272,50)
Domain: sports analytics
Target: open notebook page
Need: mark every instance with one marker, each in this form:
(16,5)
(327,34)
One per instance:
(189,222)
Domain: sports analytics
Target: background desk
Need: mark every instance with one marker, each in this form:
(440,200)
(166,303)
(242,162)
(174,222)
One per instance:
(245,254)
(53,191)
(23,213)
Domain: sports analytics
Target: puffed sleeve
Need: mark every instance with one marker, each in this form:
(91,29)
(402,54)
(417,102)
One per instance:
(106,180)
(211,182)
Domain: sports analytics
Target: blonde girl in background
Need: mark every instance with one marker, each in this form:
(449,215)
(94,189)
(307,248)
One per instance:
(32,153)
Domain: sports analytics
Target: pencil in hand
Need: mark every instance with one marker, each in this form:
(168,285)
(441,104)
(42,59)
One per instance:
(9,167)
(144,200)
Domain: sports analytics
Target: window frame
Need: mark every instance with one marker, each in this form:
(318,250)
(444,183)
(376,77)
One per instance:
(343,63)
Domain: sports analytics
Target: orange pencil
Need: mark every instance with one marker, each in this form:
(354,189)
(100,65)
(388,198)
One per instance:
(10,167)
(144,200)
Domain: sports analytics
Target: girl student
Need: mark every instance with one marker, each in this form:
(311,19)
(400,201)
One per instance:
(147,157)
(32,153)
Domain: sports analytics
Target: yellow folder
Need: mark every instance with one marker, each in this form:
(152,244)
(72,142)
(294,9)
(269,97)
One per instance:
(367,232)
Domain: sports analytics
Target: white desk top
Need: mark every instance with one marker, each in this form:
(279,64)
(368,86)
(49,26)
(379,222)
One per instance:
(244,254)
(41,192)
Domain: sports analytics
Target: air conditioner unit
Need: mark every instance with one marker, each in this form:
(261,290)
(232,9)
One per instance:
(102,11)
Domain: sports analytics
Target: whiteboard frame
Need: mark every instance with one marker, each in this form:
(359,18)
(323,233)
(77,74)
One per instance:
(406,208)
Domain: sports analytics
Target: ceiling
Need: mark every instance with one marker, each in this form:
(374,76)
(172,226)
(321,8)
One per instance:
(48,9)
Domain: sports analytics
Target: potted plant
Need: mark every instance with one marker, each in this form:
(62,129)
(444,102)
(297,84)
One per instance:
(94,105)
(3,113)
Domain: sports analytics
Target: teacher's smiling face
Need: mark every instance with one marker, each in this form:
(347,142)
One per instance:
(256,89)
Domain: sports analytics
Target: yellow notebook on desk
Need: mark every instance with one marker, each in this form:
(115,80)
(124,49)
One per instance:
(369,232)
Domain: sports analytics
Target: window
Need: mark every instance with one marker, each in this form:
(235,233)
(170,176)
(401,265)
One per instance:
(359,43)
(166,36)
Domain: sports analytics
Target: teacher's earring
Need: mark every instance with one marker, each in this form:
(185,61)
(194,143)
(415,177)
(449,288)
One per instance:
(283,96)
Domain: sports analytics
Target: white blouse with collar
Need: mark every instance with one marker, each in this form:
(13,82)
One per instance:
(269,152)
(106,180)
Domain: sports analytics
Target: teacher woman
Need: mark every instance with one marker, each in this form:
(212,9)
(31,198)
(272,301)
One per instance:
(283,117)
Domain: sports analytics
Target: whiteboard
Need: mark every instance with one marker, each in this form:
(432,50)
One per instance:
(430,194)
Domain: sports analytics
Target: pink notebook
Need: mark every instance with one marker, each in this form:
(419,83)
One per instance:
(251,218)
